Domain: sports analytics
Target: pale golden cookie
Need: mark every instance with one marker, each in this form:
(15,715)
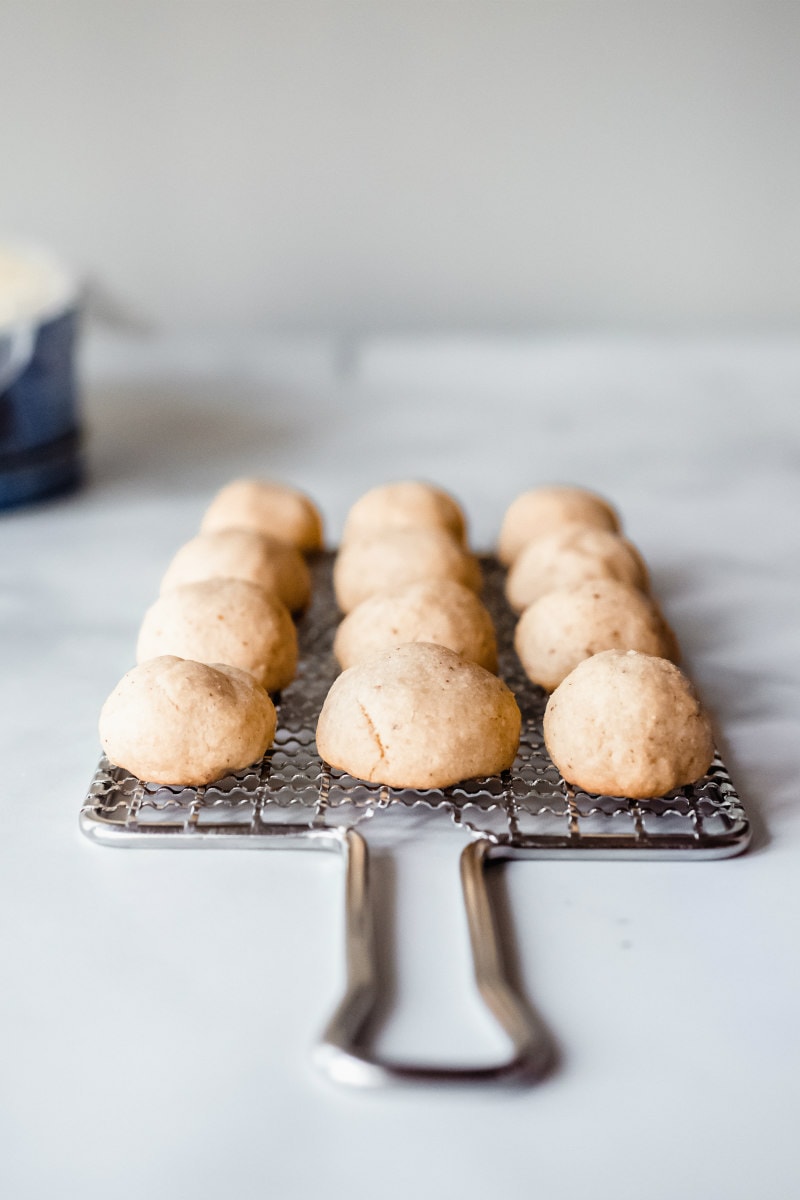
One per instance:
(419,716)
(570,556)
(563,627)
(626,724)
(184,723)
(224,621)
(273,508)
(241,554)
(443,612)
(405,505)
(544,510)
(384,561)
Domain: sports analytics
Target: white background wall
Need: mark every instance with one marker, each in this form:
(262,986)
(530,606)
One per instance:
(422,165)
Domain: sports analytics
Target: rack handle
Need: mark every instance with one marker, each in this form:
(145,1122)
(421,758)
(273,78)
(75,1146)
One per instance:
(339,1052)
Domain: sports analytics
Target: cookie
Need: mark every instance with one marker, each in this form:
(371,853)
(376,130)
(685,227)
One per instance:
(570,556)
(405,505)
(383,561)
(544,510)
(563,627)
(224,621)
(627,724)
(444,612)
(419,716)
(186,724)
(273,508)
(241,554)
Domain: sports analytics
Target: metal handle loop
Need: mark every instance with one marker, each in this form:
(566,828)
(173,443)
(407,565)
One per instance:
(340,1053)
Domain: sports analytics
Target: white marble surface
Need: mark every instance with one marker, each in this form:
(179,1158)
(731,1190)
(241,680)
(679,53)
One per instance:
(157,1009)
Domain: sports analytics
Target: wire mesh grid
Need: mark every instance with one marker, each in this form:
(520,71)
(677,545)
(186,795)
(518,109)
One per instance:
(529,806)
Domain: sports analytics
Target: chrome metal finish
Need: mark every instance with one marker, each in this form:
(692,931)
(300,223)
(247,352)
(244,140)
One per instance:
(293,800)
(341,1053)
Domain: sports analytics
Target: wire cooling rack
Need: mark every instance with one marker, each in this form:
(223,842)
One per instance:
(528,807)
(293,799)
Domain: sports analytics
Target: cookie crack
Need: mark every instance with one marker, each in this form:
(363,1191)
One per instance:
(373,732)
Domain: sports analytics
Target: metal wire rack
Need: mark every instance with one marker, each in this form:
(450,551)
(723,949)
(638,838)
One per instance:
(293,799)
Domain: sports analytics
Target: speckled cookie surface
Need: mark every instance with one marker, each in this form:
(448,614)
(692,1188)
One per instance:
(224,621)
(444,612)
(242,554)
(419,716)
(276,509)
(627,724)
(184,723)
(563,627)
(572,555)
(407,504)
(545,509)
(384,561)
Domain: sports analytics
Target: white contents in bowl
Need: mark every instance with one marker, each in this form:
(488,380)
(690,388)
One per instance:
(33,286)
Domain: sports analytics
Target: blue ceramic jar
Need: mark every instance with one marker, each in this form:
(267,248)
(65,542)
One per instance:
(40,436)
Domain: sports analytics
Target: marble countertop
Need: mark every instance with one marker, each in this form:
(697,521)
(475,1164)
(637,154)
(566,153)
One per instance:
(158,1009)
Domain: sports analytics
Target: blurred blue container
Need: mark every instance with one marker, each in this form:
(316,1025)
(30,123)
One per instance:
(40,436)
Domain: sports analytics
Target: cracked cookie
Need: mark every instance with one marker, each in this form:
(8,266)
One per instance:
(419,716)
(185,723)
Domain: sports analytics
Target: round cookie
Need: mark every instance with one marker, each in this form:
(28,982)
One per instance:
(223,621)
(241,554)
(185,724)
(419,716)
(384,561)
(443,611)
(273,508)
(563,627)
(570,556)
(544,510)
(627,724)
(405,505)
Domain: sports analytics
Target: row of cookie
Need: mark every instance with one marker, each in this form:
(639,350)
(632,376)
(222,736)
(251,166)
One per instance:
(625,720)
(404,573)
(579,585)
(218,639)
(622,718)
(228,594)
(419,704)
